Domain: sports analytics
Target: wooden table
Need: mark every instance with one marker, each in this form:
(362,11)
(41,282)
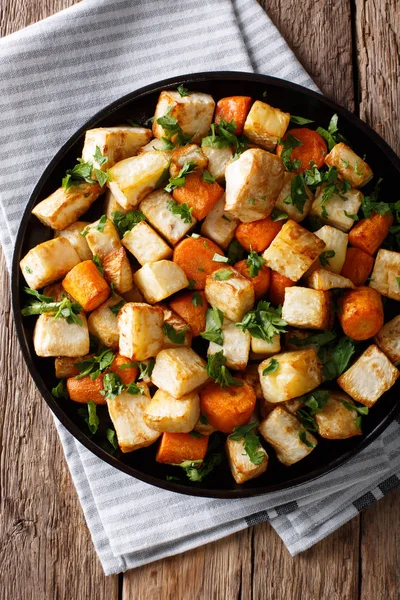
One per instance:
(351,48)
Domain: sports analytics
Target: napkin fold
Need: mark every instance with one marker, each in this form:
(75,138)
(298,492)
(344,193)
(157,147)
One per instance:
(54,75)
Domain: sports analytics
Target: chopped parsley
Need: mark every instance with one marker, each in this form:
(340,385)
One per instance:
(112,438)
(100,226)
(255,263)
(60,390)
(271,367)
(235,252)
(182,210)
(300,120)
(251,445)
(207,177)
(319,339)
(370,204)
(353,216)
(134,389)
(222,135)
(216,368)
(117,307)
(222,275)
(196,470)
(176,337)
(298,193)
(278,215)
(172,129)
(180,179)
(96,364)
(90,416)
(98,264)
(113,386)
(182,91)
(126,222)
(263,322)
(325,256)
(335,356)
(197,300)
(219,258)
(288,145)
(331,135)
(41,304)
(214,322)
(304,440)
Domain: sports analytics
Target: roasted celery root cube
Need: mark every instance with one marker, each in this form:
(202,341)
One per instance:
(116,143)
(265,125)
(261,348)
(285,202)
(134,178)
(141,333)
(388,340)
(127,414)
(103,324)
(336,210)
(133,295)
(172,227)
(102,238)
(233,294)
(65,366)
(173,415)
(85,284)
(384,278)
(57,292)
(293,251)
(77,241)
(48,262)
(335,420)
(236,346)
(145,244)
(283,431)
(253,182)
(159,280)
(218,160)
(321,279)
(117,271)
(194,113)
(156,145)
(172,319)
(350,165)
(307,308)
(64,207)
(336,241)
(219,226)
(298,372)
(369,377)
(240,464)
(179,371)
(56,337)
(111,205)
(191,153)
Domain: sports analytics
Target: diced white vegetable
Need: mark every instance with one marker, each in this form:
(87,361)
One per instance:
(77,241)
(283,430)
(64,207)
(48,262)
(335,421)
(298,372)
(265,125)
(56,337)
(179,371)
(369,377)
(65,366)
(261,348)
(194,113)
(173,415)
(134,178)
(388,340)
(219,226)
(145,244)
(307,308)
(236,346)
(103,324)
(126,413)
(288,204)
(218,160)
(160,279)
(336,209)
(191,153)
(321,279)
(350,165)
(172,227)
(234,295)
(111,205)
(386,273)
(293,251)
(240,464)
(116,143)
(117,271)
(172,319)
(253,182)
(141,333)
(102,238)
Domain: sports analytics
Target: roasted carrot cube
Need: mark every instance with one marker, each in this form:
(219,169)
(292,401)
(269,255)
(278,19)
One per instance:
(175,448)
(198,194)
(229,407)
(277,286)
(258,235)
(192,307)
(86,389)
(195,258)
(369,233)
(357,266)
(234,108)
(127,375)
(86,285)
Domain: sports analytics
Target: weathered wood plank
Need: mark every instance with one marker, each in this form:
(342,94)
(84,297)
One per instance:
(45,546)
(319,33)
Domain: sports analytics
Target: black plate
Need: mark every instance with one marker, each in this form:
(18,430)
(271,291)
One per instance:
(139,106)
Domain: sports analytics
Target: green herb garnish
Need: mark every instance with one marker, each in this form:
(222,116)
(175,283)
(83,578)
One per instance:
(214,322)
(264,322)
(89,414)
(126,222)
(176,337)
(255,263)
(182,210)
(251,442)
(216,368)
(271,367)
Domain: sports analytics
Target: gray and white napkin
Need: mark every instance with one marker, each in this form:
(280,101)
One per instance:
(54,75)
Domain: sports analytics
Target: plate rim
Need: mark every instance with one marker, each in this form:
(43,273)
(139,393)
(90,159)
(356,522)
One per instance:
(72,428)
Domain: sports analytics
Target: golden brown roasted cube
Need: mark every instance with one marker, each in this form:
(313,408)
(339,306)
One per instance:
(386,273)
(236,346)
(48,262)
(179,371)
(218,160)
(171,226)
(388,340)
(288,204)
(336,420)
(265,125)
(174,415)
(77,241)
(117,271)
(307,308)
(103,323)
(141,333)
(233,294)
(350,166)
(219,226)
(337,209)
(145,244)
(56,337)
(102,238)
(240,464)
(180,327)
(160,279)
(191,153)
(335,241)
(321,279)
(116,143)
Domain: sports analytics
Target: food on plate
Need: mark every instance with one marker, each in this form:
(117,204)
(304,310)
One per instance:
(227,306)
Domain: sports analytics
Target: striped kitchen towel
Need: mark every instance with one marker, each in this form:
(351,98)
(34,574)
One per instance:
(54,75)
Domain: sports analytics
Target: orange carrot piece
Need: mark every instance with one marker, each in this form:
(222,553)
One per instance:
(86,389)
(361,313)
(175,448)
(85,284)
(128,375)
(260,281)
(277,286)
(313,148)
(357,266)
(368,234)
(198,194)
(258,235)
(229,407)
(234,108)
(194,315)
(195,257)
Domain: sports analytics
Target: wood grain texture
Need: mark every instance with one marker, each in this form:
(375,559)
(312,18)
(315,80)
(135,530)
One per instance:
(45,548)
